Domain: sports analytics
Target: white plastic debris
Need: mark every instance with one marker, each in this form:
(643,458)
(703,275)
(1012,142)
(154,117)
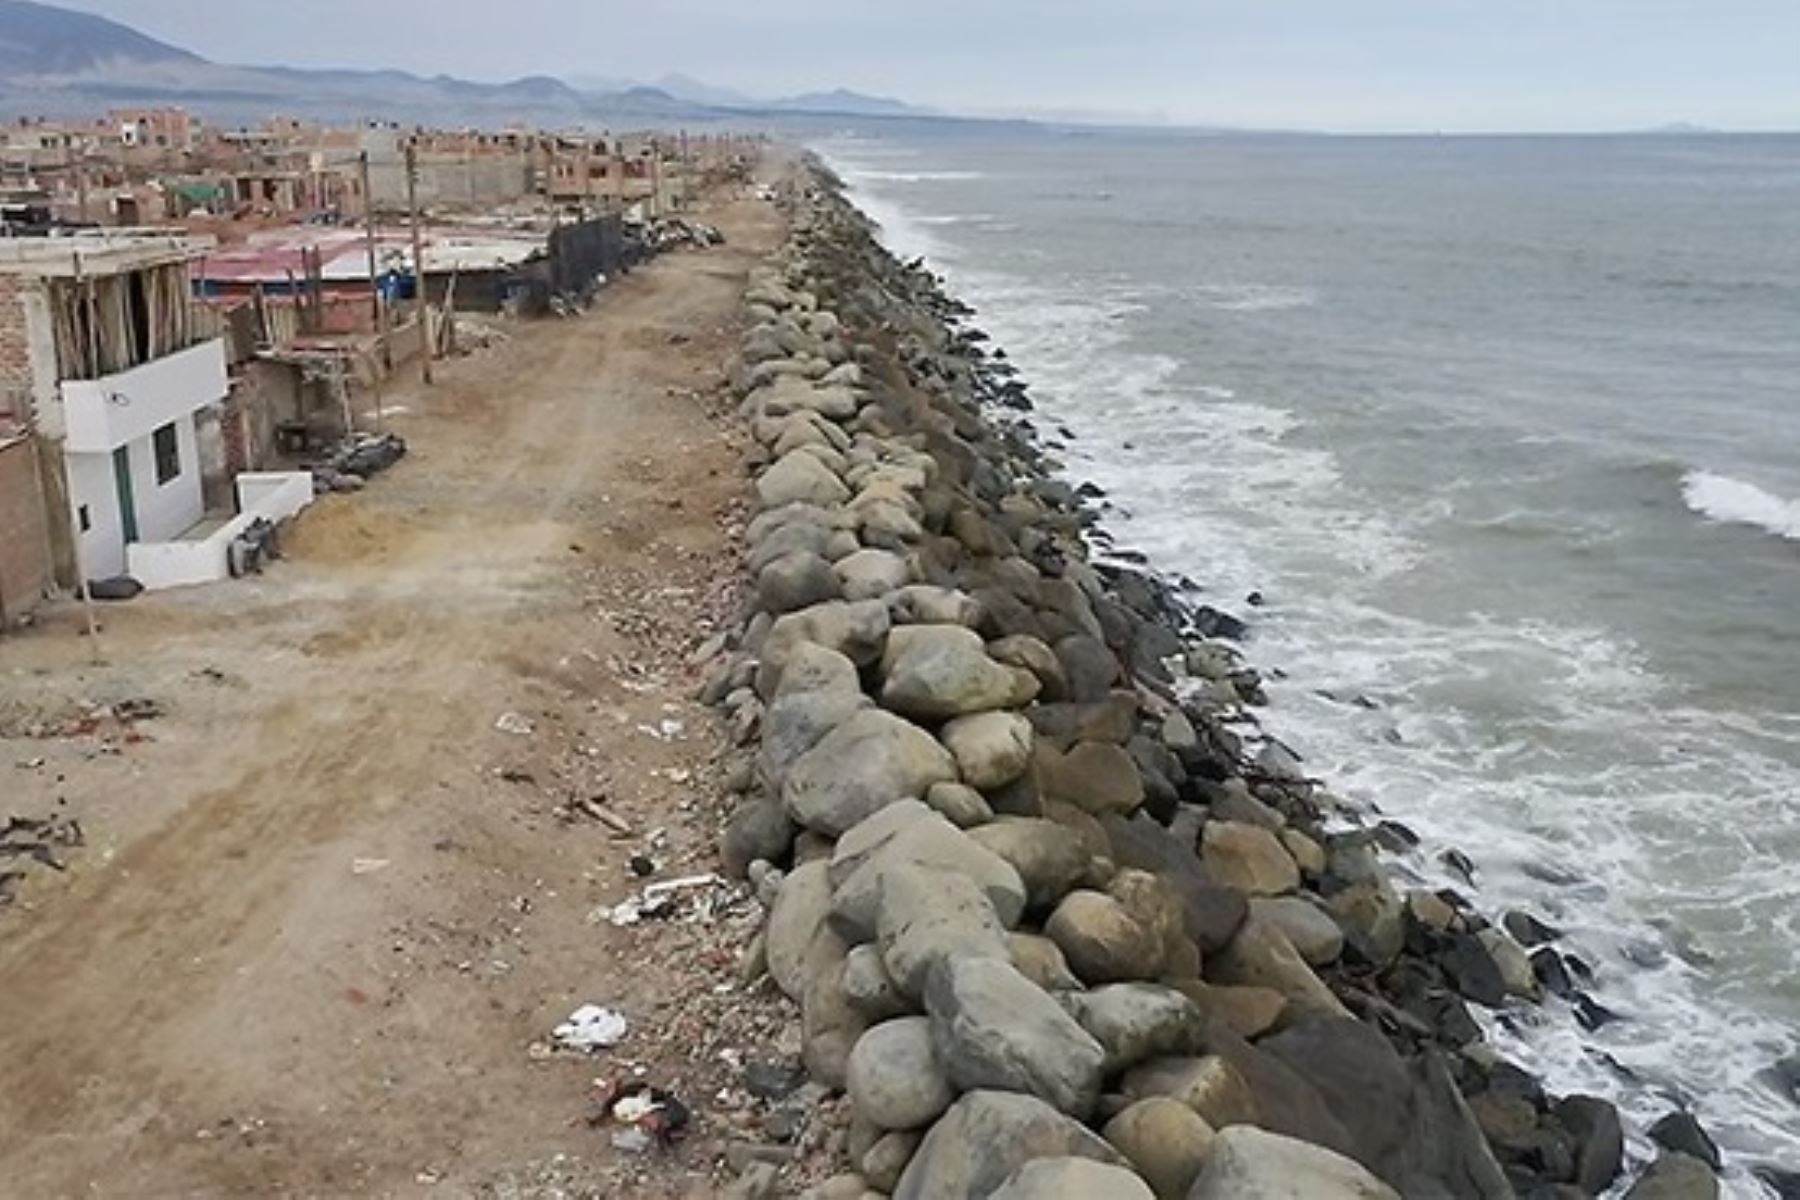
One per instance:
(591,1027)
(513,723)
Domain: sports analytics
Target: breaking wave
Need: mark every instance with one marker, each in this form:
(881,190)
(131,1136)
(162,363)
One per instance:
(1733,502)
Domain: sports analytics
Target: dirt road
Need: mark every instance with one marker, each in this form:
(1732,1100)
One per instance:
(325,905)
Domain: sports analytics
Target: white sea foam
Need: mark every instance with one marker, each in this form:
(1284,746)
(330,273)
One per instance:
(912,176)
(1479,733)
(1735,502)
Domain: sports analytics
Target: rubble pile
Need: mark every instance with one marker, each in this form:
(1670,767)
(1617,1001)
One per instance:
(356,458)
(1056,917)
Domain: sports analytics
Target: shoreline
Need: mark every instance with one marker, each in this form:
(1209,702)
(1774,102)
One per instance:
(911,401)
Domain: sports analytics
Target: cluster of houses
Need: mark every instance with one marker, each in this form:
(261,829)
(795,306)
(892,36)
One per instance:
(188,314)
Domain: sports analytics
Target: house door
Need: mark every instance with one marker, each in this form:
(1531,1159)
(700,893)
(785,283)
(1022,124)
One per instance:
(127,505)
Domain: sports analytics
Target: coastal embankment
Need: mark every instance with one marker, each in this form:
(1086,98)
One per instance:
(1058,917)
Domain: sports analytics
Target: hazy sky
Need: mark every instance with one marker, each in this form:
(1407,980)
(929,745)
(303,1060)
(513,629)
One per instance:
(1328,64)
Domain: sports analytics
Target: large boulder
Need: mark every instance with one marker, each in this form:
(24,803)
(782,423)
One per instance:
(1072,1179)
(857,631)
(794,581)
(1166,1142)
(993,1028)
(800,478)
(935,672)
(1248,858)
(797,936)
(928,916)
(985,1137)
(991,748)
(1103,942)
(1137,1021)
(1676,1176)
(862,765)
(1247,1163)
(1407,1122)
(829,1023)
(1311,930)
(1096,777)
(870,574)
(1088,665)
(860,867)
(1208,1084)
(1214,914)
(818,692)
(1262,956)
(894,1077)
(1050,858)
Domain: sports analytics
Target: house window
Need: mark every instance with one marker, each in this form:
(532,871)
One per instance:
(87,521)
(168,454)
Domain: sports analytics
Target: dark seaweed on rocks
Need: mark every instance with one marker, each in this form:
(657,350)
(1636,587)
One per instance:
(1032,865)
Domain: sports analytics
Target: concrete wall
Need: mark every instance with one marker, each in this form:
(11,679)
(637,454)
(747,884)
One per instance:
(25,568)
(164,511)
(274,496)
(115,409)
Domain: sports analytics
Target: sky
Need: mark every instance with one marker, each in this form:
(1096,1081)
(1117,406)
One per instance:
(1349,65)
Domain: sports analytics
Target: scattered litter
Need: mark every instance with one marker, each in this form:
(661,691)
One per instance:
(513,723)
(657,901)
(515,775)
(666,730)
(356,458)
(36,839)
(367,866)
(591,1028)
(30,764)
(644,1115)
(580,806)
(642,866)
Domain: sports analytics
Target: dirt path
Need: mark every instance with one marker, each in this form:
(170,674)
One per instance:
(326,906)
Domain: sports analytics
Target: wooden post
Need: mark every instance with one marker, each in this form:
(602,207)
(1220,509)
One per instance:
(412,206)
(74,509)
(369,223)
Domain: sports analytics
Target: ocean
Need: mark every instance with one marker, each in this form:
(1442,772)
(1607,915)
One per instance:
(1506,432)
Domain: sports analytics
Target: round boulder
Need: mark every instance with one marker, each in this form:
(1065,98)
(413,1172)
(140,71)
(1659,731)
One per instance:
(894,1078)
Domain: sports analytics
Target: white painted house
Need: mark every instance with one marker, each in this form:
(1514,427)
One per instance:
(101,344)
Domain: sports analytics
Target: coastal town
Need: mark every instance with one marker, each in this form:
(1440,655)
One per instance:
(549,663)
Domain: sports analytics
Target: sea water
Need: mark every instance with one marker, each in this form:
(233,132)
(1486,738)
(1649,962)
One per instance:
(1506,432)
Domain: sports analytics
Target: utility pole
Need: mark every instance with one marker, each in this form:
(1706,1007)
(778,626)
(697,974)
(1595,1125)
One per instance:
(412,206)
(369,224)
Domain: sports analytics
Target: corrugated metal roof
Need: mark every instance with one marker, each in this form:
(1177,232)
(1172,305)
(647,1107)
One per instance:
(344,255)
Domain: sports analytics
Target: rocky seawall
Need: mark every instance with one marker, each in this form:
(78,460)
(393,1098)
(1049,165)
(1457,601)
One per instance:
(1056,918)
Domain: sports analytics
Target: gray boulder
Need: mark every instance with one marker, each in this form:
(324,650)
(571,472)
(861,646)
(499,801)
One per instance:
(1072,1179)
(794,581)
(991,748)
(800,478)
(894,1078)
(1138,1021)
(869,987)
(1089,666)
(797,935)
(1262,956)
(1247,1163)
(857,631)
(935,672)
(1096,777)
(994,1029)
(862,765)
(928,841)
(871,574)
(1676,1176)
(1311,930)
(960,804)
(1050,858)
(923,604)
(984,1138)
(928,916)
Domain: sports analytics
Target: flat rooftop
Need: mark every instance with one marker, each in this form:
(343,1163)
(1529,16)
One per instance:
(91,254)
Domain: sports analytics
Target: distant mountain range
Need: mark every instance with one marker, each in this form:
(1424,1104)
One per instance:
(57,61)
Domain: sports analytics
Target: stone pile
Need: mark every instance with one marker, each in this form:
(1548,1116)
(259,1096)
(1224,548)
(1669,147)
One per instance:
(1052,923)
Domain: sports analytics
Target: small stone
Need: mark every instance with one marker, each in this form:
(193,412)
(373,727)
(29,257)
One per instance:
(960,804)
(884,1162)
(769,1080)
(991,749)
(1042,962)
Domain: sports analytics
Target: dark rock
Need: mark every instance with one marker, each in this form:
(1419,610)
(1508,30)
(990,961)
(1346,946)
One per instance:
(1213,914)
(1680,1131)
(1407,1122)
(1784,1183)
(1548,966)
(759,828)
(1676,1176)
(1599,1141)
(1528,931)
(1473,970)
(1591,1014)
(768,1080)
(1211,622)
(1089,666)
